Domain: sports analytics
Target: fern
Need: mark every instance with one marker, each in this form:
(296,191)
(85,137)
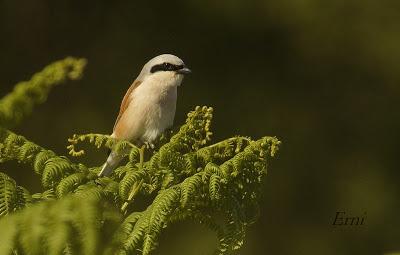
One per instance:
(82,226)
(217,185)
(12,196)
(99,140)
(19,103)
(70,183)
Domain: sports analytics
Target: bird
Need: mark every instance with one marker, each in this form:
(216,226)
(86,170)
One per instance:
(149,105)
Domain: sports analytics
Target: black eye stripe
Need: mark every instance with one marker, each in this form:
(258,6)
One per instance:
(165,67)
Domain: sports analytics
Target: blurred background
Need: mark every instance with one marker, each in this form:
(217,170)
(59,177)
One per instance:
(323,76)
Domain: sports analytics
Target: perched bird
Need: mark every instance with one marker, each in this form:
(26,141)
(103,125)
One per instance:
(149,105)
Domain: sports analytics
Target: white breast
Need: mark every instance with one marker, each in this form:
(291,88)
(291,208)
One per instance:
(152,108)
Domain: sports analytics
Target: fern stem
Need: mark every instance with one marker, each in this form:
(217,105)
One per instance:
(136,188)
(141,154)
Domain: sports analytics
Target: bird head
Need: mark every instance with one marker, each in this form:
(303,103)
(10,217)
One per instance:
(166,67)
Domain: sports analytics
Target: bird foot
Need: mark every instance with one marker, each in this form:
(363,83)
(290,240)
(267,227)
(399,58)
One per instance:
(149,145)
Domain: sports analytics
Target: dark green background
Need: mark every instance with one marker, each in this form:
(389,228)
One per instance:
(323,76)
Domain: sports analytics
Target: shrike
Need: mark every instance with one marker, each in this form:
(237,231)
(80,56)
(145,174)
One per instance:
(149,105)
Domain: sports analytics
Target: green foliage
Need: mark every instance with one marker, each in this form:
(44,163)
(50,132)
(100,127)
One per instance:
(217,185)
(12,196)
(99,140)
(67,226)
(19,103)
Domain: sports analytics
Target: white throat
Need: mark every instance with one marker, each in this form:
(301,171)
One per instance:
(165,79)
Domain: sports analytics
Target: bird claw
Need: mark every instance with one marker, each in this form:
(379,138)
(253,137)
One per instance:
(149,145)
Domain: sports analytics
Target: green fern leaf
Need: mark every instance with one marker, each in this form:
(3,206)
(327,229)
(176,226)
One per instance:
(55,169)
(8,195)
(190,186)
(130,179)
(70,183)
(214,187)
(19,103)
(41,159)
(46,195)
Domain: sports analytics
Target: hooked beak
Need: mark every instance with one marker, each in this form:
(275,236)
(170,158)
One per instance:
(184,70)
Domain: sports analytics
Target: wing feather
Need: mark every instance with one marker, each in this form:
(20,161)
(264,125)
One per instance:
(126,101)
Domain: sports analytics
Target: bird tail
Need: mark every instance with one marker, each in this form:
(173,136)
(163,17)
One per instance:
(112,161)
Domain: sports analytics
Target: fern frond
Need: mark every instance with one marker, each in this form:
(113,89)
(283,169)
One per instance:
(232,234)
(135,238)
(221,151)
(8,194)
(55,169)
(70,183)
(211,169)
(24,198)
(49,194)
(130,179)
(20,102)
(121,147)
(45,162)
(90,191)
(27,151)
(119,173)
(49,227)
(150,222)
(171,156)
(134,156)
(41,159)
(195,133)
(191,186)
(10,144)
(216,185)
(164,204)
(198,215)
(130,221)
(12,196)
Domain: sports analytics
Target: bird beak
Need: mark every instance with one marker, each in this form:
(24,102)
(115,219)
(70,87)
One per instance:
(184,70)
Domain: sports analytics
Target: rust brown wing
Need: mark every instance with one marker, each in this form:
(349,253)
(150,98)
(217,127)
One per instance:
(126,101)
